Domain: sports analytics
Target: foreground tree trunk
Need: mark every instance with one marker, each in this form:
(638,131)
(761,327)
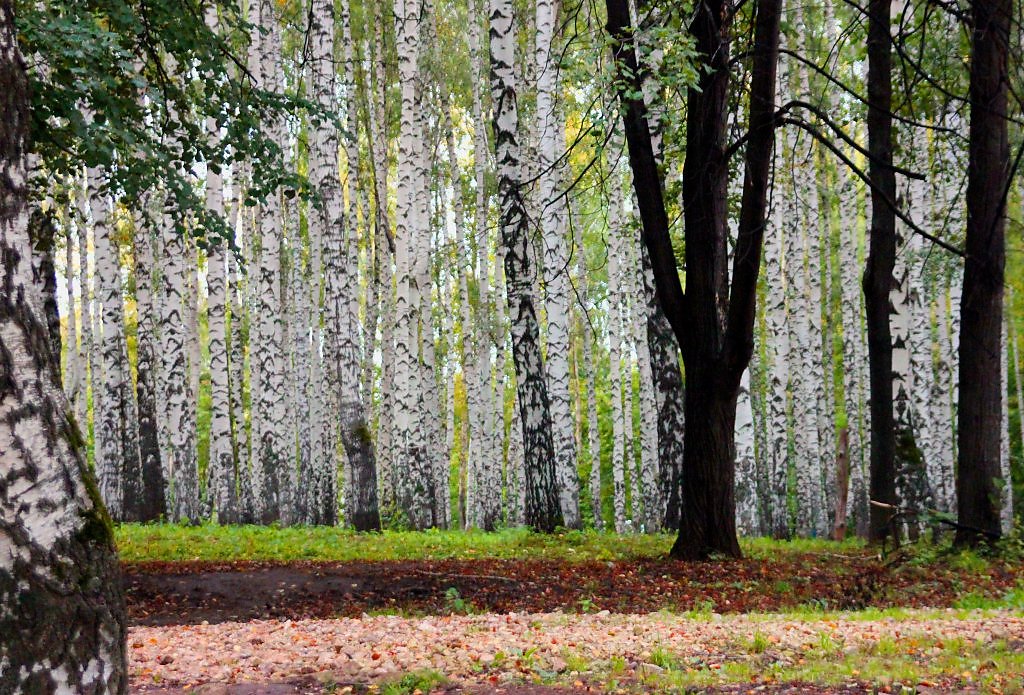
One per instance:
(543,510)
(978,478)
(62,628)
(715,351)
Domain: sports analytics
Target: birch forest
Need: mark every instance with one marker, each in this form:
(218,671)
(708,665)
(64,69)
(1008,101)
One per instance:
(417,280)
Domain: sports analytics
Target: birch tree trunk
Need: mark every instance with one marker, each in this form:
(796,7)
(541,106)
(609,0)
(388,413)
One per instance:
(177,424)
(147,370)
(615,332)
(593,431)
(222,460)
(650,474)
(414,474)
(556,259)
(62,629)
(1006,485)
(364,512)
(543,510)
(73,376)
(775,511)
(746,472)
(117,434)
(272,458)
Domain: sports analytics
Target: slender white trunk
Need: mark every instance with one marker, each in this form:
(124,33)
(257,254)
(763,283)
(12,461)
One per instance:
(147,388)
(746,473)
(556,258)
(615,332)
(271,457)
(1015,346)
(176,423)
(117,435)
(72,364)
(774,508)
(1006,491)
(650,473)
(221,457)
(593,431)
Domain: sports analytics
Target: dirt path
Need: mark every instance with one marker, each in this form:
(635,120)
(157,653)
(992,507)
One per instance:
(165,593)
(577,651)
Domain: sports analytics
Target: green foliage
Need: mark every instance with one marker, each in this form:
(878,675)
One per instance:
(416,682)
(456,604)
(128,86)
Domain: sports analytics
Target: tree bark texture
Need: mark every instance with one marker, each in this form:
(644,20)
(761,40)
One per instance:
(63,626)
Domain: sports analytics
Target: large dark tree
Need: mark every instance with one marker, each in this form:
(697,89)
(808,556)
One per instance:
(62,626)
(980,408)
(713,321)
(878,276)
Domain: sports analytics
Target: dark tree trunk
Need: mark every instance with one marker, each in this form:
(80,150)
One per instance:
(878,276)
(715,331)
(707,513)
(543,510)
(980,412)
(62,622)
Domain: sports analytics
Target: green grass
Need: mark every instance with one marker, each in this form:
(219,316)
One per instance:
(893,663)
(174,543)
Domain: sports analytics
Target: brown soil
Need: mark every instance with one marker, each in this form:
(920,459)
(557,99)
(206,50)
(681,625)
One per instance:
(190,593)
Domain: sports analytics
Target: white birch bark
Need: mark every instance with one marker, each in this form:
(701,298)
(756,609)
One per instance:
(77,376)
(117,434)
(72,366)
(63,625)
(1006,491)
(650,473)
(543,509)
(774,507)
(556,258)
(221,456)
(804,370)
(746,473)
(414,474)
(1015,346)
(814,448)
(593,431)
(271,457)
(854,352)
(176,423)
(615,325)
(147,387)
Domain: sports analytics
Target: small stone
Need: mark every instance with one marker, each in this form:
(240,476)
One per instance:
(650,669)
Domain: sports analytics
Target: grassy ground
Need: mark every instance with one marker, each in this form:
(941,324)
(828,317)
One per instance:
(173,543)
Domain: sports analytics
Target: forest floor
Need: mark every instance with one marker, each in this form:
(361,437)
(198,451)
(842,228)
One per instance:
(788,618)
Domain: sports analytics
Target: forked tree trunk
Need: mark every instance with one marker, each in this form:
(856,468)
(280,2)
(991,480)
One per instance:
(715,351)
(63,627)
